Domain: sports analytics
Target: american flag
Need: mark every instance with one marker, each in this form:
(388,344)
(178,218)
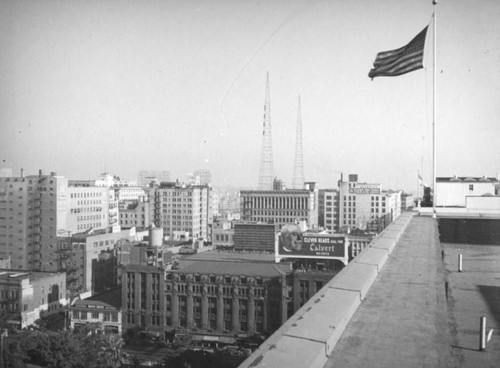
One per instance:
(400,61)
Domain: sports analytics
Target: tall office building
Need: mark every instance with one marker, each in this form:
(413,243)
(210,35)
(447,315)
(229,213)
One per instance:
(365,205)
(89,207)
(200,177)
(328,213)
(281,207)
(182,209)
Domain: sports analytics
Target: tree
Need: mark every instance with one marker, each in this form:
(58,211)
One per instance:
(112,351)
(47,348)
(64,349)
(37,346)
(14,356)
(4,317)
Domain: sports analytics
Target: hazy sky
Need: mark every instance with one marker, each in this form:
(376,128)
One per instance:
(180,85)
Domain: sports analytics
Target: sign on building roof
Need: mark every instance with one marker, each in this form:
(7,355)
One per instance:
(291,242)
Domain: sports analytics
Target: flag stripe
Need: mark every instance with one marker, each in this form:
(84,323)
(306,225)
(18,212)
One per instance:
(402,60)
(405,65)
(389,60)
(387,56)
(414,57)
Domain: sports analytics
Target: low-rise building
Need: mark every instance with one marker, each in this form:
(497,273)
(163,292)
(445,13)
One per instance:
(358,240)
(78,253)
(101,312)
(407,201)
(254,236)
(27,296)
(454,191)
(222,234)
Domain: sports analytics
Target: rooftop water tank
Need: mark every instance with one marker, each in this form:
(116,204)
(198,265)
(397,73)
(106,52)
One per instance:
(155,236)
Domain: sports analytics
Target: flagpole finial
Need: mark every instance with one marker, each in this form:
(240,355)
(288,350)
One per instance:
(434,2)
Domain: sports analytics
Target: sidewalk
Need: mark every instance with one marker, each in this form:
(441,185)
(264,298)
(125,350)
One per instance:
(407,320)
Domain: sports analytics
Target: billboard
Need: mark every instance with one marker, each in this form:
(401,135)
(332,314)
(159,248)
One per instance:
(365,188)
(291,242)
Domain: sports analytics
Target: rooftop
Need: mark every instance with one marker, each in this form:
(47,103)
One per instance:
(410,318)
(413,309)
(111,298)
(233,263)
(32,275)
(467,179)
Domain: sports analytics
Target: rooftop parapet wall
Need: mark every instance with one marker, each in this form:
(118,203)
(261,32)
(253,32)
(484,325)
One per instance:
(309,336)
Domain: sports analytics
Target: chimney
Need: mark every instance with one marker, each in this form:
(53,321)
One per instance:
(22,173)
(39,172)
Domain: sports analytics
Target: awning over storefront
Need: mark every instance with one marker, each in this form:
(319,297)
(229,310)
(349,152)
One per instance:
(150,333)
(227,340)
(210,338)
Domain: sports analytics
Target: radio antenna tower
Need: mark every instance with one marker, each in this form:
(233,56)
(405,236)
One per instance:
(298,168)
(266,175)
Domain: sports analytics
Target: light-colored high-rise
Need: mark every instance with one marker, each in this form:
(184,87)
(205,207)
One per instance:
(328,216)
(181,209)
(200,177)
(36,209)
(32,212)
(145,177)
(365,205)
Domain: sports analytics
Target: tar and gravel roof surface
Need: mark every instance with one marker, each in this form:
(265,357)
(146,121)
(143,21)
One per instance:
(234,263)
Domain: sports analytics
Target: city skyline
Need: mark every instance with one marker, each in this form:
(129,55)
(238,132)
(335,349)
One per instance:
(127,86)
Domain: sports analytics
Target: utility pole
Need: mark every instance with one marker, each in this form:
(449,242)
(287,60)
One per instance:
(4,334)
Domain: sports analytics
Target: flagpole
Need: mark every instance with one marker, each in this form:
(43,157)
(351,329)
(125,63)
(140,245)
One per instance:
(418,184)
(434,179)
(418,189)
